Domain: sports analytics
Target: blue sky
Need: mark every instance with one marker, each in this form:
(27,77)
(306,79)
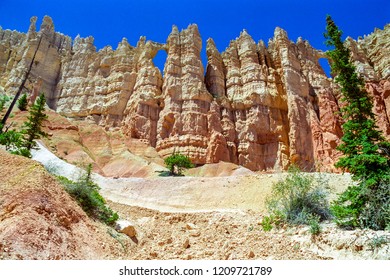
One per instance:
(109,21)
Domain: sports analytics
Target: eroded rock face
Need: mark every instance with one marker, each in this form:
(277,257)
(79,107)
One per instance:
(183,121)
(380,91)
(263,107)
(47,46)
(376,47)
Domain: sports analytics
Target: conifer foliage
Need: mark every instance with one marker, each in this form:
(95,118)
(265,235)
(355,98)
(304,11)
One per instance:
(22,102)
(366,153)
(33,126)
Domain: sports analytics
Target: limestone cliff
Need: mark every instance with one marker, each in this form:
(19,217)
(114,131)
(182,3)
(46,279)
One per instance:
(18,51)
(260,106)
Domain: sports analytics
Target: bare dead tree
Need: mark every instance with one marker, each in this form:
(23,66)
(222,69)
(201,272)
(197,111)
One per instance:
(21,87)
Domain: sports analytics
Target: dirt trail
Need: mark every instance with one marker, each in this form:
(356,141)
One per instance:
(184,194)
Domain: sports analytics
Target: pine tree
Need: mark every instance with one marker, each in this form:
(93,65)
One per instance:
(362,139)
(365,150)
(33,126)
(22,102)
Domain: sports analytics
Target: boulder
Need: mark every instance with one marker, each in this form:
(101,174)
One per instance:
(126,227)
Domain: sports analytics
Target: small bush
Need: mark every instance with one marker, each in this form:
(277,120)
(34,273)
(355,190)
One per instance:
(176,163)
(376,213)
(275,219)
(22,102)
(314,223)
(11,139)
(266,223)
(86,193)
(300,198)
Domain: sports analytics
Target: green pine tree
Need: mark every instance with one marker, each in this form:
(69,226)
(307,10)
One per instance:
(22,102)
(365,150)
(33,126)
(362,139)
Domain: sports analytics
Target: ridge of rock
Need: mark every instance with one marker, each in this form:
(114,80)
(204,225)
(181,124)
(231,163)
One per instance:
(262,107)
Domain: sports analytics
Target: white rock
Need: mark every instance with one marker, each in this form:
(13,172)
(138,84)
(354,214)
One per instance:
(126,227)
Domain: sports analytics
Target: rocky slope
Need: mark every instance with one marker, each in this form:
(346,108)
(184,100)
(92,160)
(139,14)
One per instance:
(260,106)
(111,153)
(39,220)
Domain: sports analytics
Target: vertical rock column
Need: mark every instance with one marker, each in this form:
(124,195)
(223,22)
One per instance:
(222,146)
(12,46)
(297,90)
(183,123)
(257,105)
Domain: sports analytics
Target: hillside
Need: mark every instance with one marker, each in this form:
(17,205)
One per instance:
(39,220)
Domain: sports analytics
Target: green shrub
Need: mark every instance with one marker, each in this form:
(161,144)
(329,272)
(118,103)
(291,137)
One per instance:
(22,152)
(22,102)
(363,206)
(20,143)
(378,241)
(275,219)
(11,139)
(177,162)
(376,213)
(86,193)
(266,223)
(300,198)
